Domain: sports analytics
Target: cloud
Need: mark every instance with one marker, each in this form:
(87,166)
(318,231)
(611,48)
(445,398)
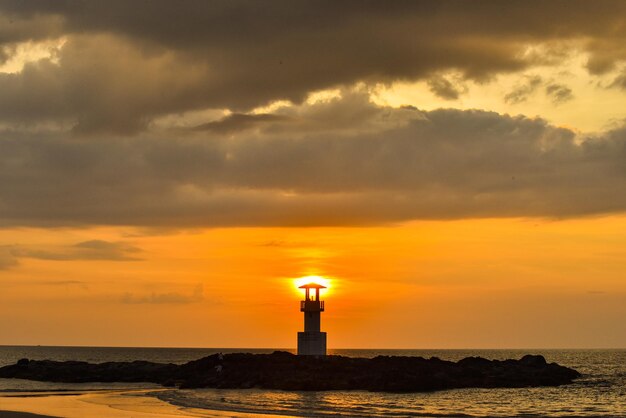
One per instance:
(64,283)
(166,298)
(7,259)
(559,93)
(121,67)
(105,250)
(238,122)
(61,283)
(87,250)
(521,93)
(274,244)
(620,80)
(444,88)
(345,161)
(101,83)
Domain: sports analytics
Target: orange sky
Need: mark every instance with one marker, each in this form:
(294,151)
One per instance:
(471,283)
(455,169)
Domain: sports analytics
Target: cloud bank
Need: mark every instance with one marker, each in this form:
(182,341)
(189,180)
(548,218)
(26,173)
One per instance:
(83,139)
(345,161)
(123,65)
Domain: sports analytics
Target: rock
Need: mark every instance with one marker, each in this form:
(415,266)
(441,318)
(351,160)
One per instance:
(285,371)
(533,361)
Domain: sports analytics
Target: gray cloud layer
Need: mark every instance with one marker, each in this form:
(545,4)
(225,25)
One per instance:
(343,162)
(81,143)
(125,63)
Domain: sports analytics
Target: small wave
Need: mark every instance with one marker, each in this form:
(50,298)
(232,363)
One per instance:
(248,403)
(177,398)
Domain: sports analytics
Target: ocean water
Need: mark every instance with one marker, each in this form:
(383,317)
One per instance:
(600,392)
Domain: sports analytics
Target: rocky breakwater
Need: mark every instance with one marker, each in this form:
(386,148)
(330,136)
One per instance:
(285,371)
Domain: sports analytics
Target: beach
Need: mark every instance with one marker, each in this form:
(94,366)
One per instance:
(105,404)
(100,404)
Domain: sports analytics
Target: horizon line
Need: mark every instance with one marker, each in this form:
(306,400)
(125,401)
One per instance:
(330,349)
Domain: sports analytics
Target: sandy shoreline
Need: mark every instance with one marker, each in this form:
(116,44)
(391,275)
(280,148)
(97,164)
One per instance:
(103,404)
(112,404)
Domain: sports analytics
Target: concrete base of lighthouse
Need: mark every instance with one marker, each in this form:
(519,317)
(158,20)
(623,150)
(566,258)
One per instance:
(311,343)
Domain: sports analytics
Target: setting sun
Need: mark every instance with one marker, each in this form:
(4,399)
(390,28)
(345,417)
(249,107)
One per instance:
(326,282)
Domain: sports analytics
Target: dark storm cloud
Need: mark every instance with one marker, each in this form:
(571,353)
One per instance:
(19,27)
(125,63)
(364,165)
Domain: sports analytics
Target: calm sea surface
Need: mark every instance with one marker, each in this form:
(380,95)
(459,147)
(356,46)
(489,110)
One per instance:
(600,392)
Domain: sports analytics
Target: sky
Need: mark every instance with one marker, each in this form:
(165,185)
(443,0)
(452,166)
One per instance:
(455,170)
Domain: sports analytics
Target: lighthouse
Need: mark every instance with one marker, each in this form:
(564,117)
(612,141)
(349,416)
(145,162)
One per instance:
(312,342)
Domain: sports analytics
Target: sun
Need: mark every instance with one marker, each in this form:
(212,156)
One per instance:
(324,281)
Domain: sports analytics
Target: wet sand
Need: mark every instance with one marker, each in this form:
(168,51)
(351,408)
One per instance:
(14,414)
(104,404)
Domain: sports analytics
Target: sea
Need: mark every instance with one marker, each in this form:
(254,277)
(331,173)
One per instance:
(600,392)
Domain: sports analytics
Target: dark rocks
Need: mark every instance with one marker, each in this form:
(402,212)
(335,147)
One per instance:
(533,361)
(79,371)
(285,371)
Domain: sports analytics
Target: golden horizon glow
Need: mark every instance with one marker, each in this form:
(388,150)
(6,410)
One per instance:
(455,281)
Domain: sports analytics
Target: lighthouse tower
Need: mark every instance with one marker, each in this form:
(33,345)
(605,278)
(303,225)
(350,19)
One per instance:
(312,342)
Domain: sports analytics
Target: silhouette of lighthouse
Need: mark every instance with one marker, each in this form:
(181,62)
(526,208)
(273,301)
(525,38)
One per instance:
(312,342)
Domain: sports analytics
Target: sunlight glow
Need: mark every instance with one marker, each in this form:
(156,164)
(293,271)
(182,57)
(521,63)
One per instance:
(324,281)
(29,52)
